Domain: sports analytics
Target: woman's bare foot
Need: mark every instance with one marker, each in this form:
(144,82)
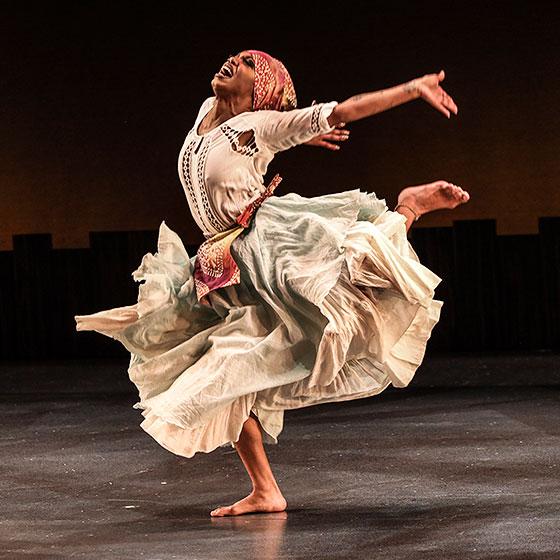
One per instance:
(433,196)
(253,503)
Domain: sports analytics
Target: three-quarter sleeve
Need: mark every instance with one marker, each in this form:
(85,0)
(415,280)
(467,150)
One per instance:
(281,130)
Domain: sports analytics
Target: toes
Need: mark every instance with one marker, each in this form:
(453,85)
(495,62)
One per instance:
(458,191)
(448,190)
(462,195)
(454,193)
(221,511)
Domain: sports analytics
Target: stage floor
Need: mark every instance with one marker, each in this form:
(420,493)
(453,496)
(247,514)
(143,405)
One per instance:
(447,473)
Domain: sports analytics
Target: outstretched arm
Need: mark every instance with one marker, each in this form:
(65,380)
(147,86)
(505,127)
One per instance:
(367,104)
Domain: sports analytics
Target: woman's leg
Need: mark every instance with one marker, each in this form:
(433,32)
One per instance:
(266,495)
(422,199)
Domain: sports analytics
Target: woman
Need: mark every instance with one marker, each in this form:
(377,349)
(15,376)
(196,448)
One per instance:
(290,301)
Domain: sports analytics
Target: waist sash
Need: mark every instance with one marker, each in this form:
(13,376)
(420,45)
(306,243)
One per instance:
(214,266)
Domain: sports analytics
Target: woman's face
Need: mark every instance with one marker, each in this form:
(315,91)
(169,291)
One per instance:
(236,76)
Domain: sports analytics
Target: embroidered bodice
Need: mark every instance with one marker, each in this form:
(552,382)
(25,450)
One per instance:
(221,177)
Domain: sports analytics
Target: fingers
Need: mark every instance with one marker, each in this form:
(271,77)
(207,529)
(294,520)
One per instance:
(329,145)
(436,96)
(441,101)
(448,102)
(446,99)
(338,135)
(440,107)
(327,140)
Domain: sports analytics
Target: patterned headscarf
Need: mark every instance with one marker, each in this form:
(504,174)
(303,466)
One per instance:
(273,87)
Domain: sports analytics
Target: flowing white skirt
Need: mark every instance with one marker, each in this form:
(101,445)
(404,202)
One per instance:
(333,305)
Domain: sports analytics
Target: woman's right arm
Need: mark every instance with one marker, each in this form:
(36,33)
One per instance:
(281,130)
(367,104)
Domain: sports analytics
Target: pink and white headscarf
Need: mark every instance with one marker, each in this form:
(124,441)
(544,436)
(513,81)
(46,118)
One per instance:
(273,87)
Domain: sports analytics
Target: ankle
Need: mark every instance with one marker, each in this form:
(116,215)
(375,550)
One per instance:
(411,211)
(266,489)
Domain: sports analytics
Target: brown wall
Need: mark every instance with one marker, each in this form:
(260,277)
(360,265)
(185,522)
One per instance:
(96,104)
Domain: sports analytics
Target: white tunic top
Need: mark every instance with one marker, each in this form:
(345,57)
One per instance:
(221,178)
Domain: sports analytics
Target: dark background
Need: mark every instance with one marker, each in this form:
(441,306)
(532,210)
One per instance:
(97,97)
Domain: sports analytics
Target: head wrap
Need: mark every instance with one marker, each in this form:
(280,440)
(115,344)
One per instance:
(273,87)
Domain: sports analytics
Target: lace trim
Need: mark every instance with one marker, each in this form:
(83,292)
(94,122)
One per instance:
(315,119)
(249,149)
(217,224)
(186,168)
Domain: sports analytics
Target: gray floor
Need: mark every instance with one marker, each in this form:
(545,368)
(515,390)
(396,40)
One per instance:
(427,472)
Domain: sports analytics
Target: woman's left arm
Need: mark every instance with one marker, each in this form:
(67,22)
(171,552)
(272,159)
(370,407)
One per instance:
(367,104)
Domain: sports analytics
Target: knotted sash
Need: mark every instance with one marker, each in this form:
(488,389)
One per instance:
(214,266)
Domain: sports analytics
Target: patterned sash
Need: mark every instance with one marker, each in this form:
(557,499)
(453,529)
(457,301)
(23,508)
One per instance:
(214,266)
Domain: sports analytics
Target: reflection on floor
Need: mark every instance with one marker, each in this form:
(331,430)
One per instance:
(446,473)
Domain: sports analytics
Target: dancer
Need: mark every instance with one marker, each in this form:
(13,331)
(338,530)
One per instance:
(290,301)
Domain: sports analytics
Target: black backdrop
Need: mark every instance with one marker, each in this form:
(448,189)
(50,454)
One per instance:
(96,98)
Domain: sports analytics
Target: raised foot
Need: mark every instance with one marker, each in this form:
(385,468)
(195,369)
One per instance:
(253,503)
(433,196)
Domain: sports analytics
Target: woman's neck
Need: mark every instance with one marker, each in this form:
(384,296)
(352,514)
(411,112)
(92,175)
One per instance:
(227,107)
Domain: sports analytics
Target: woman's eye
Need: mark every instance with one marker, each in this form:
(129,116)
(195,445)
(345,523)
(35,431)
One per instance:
(249,62)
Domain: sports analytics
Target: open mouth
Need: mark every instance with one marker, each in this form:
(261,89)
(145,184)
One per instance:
(226,71)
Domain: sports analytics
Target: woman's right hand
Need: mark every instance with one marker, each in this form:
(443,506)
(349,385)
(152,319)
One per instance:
(339,134)
(427,87)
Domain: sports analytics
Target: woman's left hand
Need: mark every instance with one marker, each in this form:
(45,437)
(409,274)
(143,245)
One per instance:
(428,88)
(339,134)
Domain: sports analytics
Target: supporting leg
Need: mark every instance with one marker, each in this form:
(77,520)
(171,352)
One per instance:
(265,495)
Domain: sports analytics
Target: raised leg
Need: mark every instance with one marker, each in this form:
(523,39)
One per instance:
(419,200)
(266,495)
